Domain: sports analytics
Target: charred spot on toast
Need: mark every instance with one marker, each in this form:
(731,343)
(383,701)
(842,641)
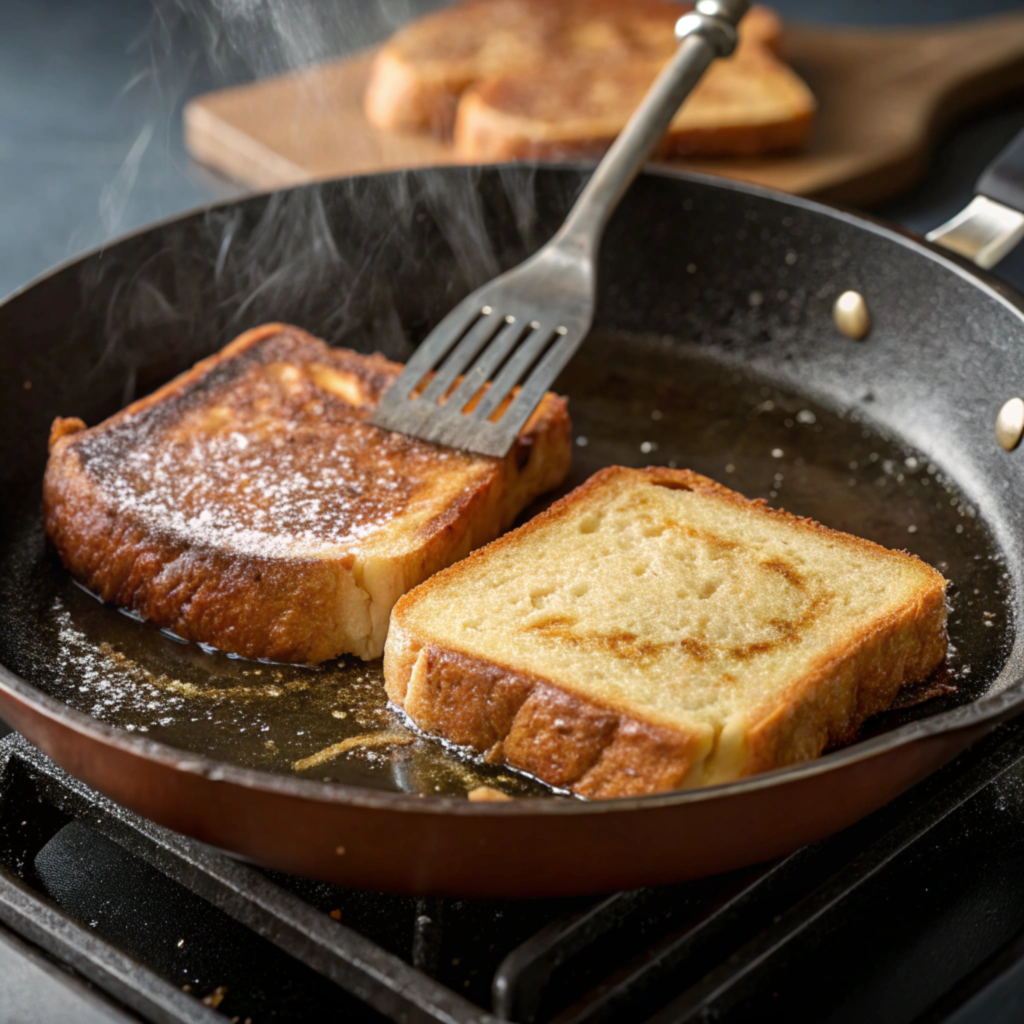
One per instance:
(272,439)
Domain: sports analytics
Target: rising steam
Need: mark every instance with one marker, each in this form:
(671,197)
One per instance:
(193,46)
(266,265)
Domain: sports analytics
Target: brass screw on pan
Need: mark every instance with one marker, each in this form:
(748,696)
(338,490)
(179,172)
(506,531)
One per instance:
(1010,424)
(851,315)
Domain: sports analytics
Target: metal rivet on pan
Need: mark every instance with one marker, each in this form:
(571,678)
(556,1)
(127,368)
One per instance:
(1010,424)
(851,315)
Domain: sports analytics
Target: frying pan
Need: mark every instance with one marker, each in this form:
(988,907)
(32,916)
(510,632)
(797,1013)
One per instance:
(714,348)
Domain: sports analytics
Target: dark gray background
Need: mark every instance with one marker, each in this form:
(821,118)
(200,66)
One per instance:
(91,94)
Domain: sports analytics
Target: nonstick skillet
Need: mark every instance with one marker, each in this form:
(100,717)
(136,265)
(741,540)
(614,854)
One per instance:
(714,348)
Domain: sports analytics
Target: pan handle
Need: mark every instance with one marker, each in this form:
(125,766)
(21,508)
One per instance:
(992,224)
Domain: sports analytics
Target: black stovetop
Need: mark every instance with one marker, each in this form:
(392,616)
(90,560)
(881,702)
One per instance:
(914,915)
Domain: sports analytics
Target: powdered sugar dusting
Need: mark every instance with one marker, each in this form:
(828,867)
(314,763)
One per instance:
(268,455)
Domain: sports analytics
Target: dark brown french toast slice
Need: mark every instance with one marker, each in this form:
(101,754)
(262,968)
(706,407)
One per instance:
(248,504)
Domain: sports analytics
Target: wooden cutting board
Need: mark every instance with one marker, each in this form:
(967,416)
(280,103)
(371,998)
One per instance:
(884,96)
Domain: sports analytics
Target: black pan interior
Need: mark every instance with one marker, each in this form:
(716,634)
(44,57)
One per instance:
(714,350)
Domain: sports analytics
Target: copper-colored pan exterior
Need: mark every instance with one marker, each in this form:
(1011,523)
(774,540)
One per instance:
(929,310)
(451,847)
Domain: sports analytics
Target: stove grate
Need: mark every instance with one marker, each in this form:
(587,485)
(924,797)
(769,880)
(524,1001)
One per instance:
(104,893)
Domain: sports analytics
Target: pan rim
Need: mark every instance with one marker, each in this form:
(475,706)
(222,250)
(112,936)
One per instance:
(989,709)
(964,718)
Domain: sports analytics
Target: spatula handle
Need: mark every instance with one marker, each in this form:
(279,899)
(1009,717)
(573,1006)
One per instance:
(992,224)
(705,34)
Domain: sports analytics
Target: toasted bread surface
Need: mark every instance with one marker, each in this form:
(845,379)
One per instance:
(249,504)
(531,78)
(654,630)
(752,104)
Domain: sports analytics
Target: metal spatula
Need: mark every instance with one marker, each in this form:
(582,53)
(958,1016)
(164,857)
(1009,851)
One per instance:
(525,325)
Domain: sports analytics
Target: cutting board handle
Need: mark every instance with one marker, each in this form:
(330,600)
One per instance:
(964,64)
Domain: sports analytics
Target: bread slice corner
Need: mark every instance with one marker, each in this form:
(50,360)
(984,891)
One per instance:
(654,630)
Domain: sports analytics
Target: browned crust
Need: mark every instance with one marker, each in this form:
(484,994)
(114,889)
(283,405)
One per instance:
(184,381)
(257,607)
(600,751)
(532,724)
(854,681)
(480,138)
(284,609)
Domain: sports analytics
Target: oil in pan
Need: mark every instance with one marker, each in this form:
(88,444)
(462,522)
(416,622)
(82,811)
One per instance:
(668,404)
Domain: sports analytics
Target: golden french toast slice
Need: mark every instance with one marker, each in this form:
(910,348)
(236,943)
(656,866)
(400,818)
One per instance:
(654,630)
(745,106)
(248,504)
(521,78)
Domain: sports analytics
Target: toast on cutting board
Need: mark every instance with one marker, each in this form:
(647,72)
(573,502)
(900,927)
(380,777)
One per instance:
(539,78)
(249,505)
(654,630)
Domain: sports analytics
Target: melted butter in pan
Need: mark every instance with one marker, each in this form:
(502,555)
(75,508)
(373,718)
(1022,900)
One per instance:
(278,718)
(666,405)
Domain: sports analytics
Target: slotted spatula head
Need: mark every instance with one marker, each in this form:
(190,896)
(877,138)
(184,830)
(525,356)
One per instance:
(475,381)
